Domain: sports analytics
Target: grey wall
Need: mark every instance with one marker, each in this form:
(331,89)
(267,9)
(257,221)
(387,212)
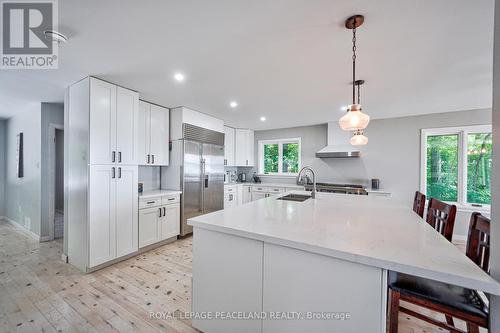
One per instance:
(22,195)
(51,113)
(392,154)
(495,187)
(3,129)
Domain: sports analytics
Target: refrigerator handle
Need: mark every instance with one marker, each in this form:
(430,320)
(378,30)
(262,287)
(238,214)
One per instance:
(202,194)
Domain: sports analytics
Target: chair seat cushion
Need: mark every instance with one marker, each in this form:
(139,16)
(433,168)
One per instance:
(459,298)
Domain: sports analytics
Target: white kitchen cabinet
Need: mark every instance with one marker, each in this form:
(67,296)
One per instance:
(230,199)
(259,195)
(170,221)
(159,219)
(113,123)
(229,146)
(231,195)
(113,213)
(153,134)
(244,147)
(246,194)
(102,211)
(127,115)
(149,226)
(102,106)
(102,228)
(126,207)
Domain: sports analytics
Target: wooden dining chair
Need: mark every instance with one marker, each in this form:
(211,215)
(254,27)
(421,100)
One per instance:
(419,204)
(450,300)
(441,216)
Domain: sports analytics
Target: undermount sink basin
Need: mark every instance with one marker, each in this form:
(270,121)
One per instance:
(295,197)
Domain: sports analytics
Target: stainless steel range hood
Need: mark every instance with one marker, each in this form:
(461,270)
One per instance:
(338,144)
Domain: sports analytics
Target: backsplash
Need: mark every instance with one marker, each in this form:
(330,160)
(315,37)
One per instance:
(150,177)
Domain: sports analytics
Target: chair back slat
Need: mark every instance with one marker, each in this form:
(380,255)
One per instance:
(441,216)
(419,203)
(478,241)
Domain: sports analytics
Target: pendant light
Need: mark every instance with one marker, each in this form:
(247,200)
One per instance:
(354,119)
(359,139)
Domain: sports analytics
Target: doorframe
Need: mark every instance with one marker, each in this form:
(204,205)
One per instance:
(52,177)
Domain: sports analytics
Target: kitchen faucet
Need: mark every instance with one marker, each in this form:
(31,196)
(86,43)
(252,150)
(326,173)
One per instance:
(300,177)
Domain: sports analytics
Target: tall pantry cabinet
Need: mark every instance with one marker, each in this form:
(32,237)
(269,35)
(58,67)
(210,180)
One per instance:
(102,197)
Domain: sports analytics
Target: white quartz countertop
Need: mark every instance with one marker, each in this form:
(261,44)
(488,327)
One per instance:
(370,230)
(268,185)
(157,193)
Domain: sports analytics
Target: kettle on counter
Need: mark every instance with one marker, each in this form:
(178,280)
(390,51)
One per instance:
(242,177)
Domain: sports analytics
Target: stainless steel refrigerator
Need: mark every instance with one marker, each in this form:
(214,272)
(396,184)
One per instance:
(197,169)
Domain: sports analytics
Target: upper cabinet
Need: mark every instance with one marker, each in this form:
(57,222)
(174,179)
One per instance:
(114,113)
(229,147)
(182,115)
(153,134)
(244,147)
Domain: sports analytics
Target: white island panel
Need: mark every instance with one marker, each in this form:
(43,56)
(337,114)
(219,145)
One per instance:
(349,297)
(227,278)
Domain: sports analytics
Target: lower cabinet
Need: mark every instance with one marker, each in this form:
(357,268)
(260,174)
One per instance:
(259,195)
(158,221)
(170,221)
(113,212)
(149,226)
(246,194)
(230,200)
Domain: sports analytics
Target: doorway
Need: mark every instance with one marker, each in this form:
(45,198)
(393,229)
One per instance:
(56,181)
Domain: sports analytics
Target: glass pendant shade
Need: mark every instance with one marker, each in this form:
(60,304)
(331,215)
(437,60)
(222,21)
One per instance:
(354,119)
(359,139)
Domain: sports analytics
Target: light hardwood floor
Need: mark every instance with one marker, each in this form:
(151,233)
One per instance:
(40,293)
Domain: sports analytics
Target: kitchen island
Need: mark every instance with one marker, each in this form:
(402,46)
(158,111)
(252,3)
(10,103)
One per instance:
(318,265)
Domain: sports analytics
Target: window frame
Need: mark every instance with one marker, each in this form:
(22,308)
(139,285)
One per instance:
(280,143)
(462,132)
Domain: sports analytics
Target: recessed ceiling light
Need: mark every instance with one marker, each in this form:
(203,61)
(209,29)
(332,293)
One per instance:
(233,104)
(179,77)
(262,118)
(55,36)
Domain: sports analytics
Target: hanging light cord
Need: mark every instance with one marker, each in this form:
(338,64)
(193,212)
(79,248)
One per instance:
(354,63)
(359,100)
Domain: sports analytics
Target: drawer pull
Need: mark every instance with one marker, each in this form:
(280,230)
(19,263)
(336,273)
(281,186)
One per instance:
(171,199)
(150,202)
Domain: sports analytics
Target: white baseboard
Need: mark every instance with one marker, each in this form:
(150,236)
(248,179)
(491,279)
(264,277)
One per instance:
(22,229)
(460,238)
(45,239)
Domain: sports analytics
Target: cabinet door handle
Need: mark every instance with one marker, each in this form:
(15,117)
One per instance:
(225,162)
(153,160)
(149,158)
(247,162)
(160,211)
(119,157)
(164,211)
(230,197)
(113,156)
(113,173)
(120,172)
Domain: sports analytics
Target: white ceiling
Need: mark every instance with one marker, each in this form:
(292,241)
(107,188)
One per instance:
(287,60)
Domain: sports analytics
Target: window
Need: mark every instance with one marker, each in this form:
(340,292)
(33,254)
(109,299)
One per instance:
(456,165)
(279,157)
